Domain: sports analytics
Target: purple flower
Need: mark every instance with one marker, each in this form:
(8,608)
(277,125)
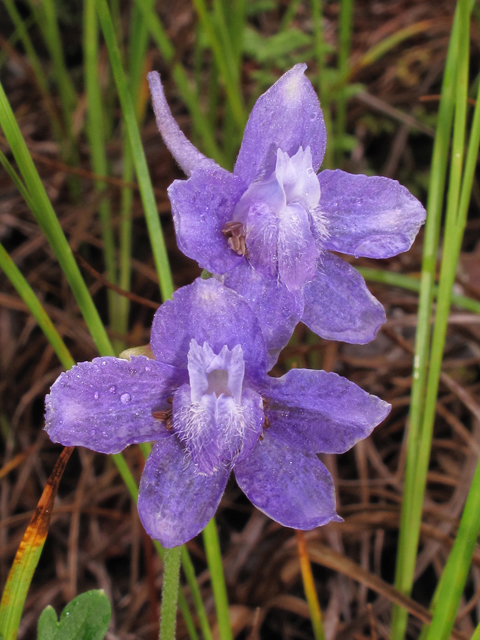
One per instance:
(275,217)
(209,406)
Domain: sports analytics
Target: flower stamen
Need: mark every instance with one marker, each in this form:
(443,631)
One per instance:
(165,417)
(235,234)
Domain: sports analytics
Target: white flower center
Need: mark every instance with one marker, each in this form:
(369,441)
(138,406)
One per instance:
(293,181)
(220,374)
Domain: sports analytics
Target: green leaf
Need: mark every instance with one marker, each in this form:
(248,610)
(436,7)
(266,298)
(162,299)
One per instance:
(47,624)
(86,617)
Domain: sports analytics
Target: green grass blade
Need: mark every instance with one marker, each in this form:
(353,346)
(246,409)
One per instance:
(45,215)
(189,572)
(34,62)
(151,214)
(418,451)
(225,63)
(345,36)
(412,284)
(200,122)
(137,47)
(454,575)
(323,90)
(95,127)
(47,18)
(214,559)
(188,95)
(289,15)
(236,14)
(449,591)
(28,554)
(28,296)
(377,51)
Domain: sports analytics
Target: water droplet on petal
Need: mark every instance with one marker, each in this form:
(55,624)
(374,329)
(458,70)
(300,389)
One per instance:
(96,395)
(125,398)
(113,389)
(148,369)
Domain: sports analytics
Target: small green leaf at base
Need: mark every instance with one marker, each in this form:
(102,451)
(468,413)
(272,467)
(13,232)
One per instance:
(47,624)
(86,617)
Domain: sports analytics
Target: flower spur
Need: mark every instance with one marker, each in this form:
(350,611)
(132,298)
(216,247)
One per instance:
(209,406)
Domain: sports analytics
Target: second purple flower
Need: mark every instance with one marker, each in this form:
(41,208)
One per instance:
(209,406)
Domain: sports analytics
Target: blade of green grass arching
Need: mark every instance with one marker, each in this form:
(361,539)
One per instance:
(146,191)
(46,218)
(214,559)
(95,127)
(418,452)
(34,62)
(25,291)
(188,95)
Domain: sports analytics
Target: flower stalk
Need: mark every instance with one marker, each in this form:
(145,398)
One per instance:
(171,582)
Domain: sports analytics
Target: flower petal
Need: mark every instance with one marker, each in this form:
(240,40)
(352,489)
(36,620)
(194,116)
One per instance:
(208,312)
(286,117)
(338,305)
(107,404)
(298,178)
(368,216)
(201,207)
(262,237)
(321,411)
(287,482)
(175,502)
(297,251)
(217,431)
(277,309)
(196,426)
(252,421)
(187,156)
